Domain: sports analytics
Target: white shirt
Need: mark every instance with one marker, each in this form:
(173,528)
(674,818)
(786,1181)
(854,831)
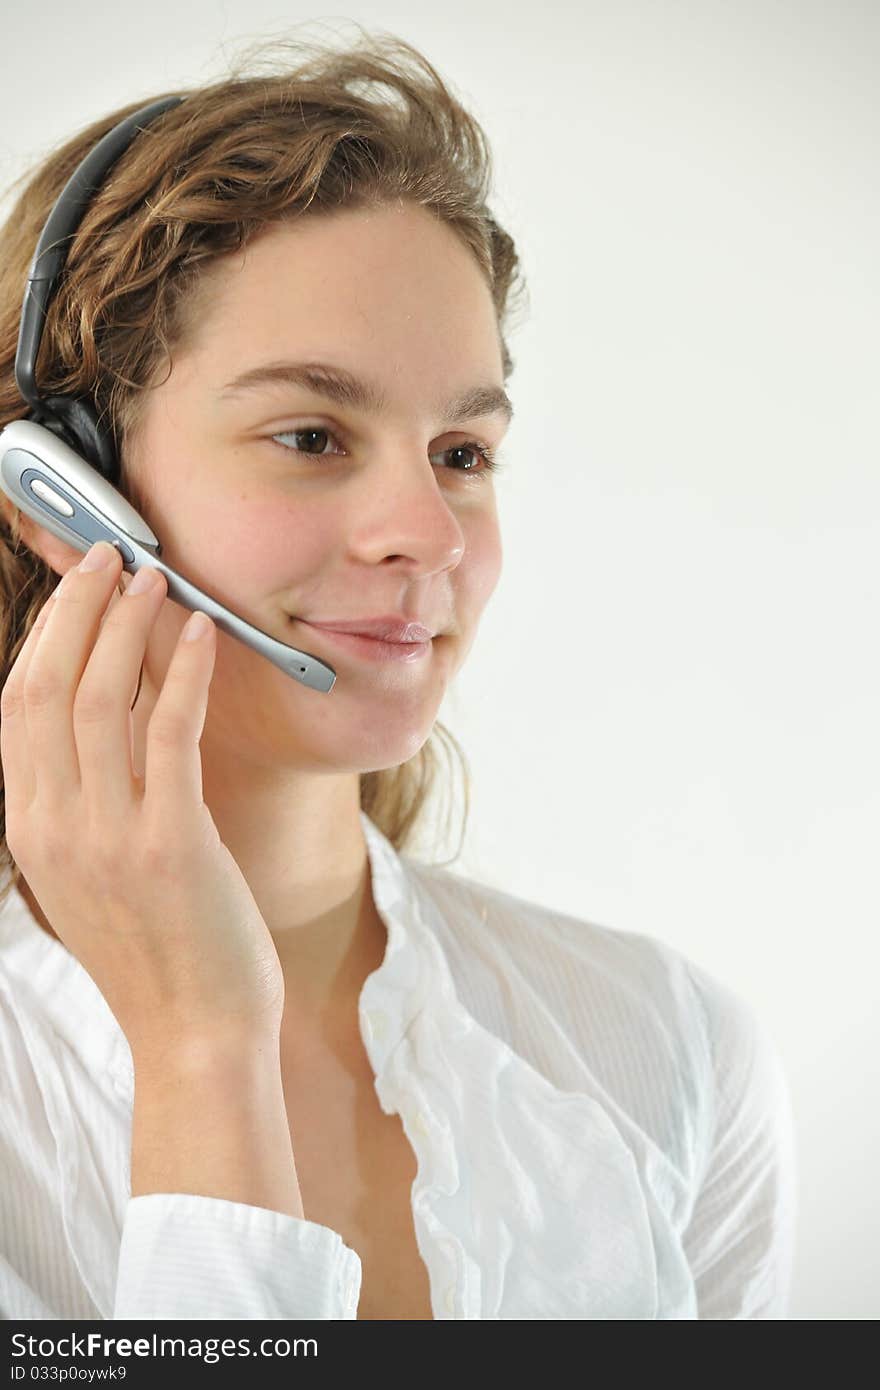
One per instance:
(603,1130)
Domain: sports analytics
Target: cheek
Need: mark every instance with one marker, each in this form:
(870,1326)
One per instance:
(257,551)
(480,569)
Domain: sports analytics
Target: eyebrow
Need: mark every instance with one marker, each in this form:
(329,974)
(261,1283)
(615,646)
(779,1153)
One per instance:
(339,385)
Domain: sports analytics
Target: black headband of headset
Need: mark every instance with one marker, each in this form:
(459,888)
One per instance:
(74,415)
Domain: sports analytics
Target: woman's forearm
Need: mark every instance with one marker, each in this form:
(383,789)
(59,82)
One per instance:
(210,1118)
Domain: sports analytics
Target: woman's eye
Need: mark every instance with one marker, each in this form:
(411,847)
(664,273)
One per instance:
(317,438)
(307,432)
(473,447)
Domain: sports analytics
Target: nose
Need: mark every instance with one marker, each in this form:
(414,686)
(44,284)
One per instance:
(405,516)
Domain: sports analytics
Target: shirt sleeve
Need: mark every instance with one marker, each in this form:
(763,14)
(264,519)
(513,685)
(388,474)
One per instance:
(183,1256)
(740,1240)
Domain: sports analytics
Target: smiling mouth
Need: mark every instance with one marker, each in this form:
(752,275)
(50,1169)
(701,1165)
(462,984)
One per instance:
(370,648)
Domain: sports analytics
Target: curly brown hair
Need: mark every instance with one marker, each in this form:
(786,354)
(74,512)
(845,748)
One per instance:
(314,133)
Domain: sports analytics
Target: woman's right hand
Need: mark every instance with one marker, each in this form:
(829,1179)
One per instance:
(130,871)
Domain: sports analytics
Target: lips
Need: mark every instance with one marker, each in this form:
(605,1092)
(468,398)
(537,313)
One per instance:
(387,629)
(374,649)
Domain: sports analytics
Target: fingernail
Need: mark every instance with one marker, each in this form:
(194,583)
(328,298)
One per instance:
(98,557)
(196,627)
(143,580)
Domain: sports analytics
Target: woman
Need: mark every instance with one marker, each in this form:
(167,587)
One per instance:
(258,1062)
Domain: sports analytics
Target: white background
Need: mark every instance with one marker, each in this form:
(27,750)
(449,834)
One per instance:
(670,711)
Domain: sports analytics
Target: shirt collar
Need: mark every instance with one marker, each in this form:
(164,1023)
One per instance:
(58,988)
(54,987)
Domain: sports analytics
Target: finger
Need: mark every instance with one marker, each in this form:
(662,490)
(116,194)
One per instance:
(173,761)
(102,719)
(55,670)
(19,780)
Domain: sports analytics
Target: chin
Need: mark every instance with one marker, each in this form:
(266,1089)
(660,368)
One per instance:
(373,747)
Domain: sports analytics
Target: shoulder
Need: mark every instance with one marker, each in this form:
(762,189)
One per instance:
(583,965)
(621,1014)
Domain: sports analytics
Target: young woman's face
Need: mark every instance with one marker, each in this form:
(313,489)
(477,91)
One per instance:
(394,515)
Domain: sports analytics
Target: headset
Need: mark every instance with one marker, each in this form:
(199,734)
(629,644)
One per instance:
(59,465)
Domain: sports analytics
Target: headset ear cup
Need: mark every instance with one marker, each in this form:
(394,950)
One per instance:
(80,429)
